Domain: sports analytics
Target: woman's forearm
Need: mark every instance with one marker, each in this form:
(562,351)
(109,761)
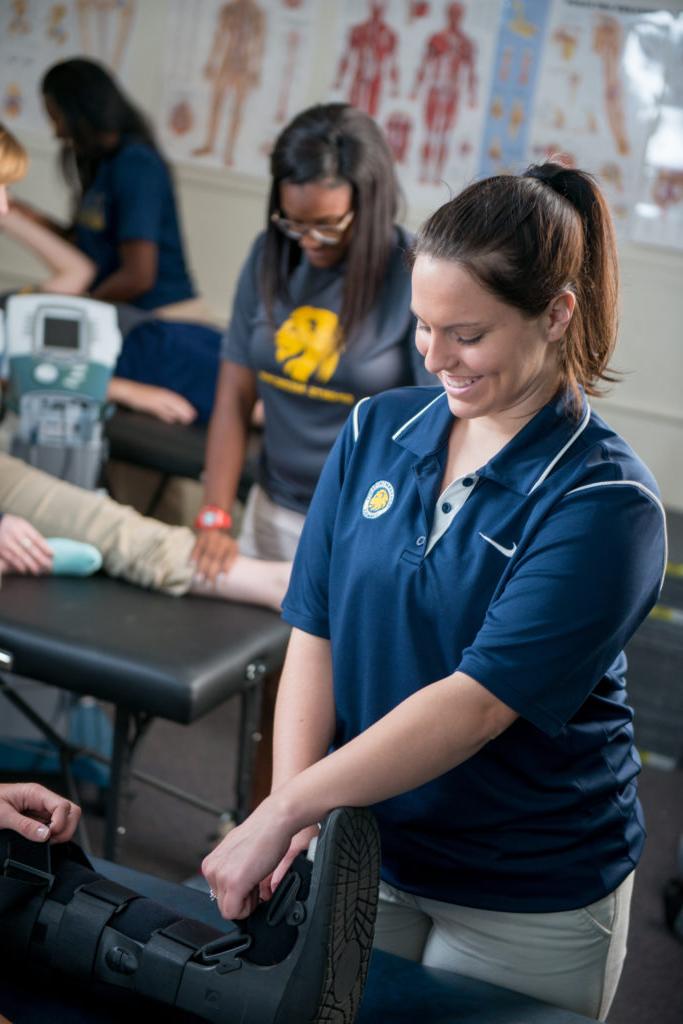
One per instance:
(40,218)
(425,736)
(123,285)
(304,713)
(228,432)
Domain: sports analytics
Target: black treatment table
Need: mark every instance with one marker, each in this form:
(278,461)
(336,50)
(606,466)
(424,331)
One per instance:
(398,991)
(148,654)
(169,448)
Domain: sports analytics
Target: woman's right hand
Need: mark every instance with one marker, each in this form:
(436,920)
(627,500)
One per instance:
(213,553)
(22,549)
(299,844)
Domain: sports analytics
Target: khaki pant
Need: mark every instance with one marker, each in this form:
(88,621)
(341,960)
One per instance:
(141,550)
(571,958)
(268,530)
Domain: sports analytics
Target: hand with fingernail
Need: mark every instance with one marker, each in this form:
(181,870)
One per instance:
(37,813)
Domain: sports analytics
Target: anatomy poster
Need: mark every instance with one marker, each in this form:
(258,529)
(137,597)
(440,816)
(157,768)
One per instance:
(236,72)
(36,33)
(658,215)
(421,69)
(512,87)
(599,93)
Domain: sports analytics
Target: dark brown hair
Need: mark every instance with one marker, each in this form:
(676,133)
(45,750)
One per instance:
(527,238)
(92,105)
(334,142)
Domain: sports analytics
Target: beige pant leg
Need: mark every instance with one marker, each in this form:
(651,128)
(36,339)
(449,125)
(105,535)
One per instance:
(142,550)
(572,959)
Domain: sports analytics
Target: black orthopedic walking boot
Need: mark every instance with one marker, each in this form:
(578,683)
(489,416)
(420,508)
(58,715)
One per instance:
(302,958)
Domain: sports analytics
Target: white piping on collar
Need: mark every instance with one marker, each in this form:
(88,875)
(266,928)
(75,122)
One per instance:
(395,437)
(356,426)
(646,490)
(582,426)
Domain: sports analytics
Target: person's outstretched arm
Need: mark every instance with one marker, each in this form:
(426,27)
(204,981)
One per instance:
(41,218)
(37,813)
(70,270)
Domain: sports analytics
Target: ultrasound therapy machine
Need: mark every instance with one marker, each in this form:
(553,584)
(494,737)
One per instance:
(59,355)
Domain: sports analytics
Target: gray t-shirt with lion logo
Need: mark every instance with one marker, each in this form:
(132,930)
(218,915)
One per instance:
(308,382)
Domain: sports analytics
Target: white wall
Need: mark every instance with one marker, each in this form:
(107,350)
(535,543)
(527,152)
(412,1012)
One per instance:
(222,212)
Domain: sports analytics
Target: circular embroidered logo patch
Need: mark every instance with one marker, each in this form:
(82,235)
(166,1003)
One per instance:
(378,500)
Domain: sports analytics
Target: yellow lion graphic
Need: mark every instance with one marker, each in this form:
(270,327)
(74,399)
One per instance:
(379,500)
(307,344)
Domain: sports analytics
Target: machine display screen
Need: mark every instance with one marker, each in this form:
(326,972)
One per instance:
(61,333)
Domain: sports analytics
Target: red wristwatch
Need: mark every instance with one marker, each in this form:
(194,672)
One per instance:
(211,517)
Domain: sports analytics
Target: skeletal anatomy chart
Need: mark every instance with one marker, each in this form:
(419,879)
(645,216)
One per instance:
(36,33)
(235,72)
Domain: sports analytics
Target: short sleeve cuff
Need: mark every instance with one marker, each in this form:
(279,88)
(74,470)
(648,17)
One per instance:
(488,677)
(306,623)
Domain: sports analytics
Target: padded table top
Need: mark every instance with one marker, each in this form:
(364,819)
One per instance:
(176,658)
(170,448)
(147,441)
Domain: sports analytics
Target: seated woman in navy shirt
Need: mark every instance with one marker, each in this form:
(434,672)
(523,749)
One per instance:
(125,216)
(474,560)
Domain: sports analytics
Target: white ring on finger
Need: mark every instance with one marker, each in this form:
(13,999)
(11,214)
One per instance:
(26,543)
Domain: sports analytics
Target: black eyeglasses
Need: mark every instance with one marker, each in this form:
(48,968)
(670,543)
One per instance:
(326,234)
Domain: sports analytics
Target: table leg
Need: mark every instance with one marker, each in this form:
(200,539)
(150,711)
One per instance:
(118,781)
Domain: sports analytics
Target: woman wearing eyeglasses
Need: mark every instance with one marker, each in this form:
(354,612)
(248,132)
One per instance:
(321,318)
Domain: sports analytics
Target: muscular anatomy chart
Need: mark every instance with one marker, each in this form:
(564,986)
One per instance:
(448,59)
(416,68)
(235,71)
(369,59)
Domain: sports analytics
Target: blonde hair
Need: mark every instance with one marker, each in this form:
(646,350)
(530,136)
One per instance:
(13,158)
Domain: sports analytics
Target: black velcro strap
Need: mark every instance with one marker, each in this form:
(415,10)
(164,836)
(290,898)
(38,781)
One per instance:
(161,967)
(20,904)
(83,920)
(194,934)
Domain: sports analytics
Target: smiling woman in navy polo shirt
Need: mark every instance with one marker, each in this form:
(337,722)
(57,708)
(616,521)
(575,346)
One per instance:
(474,560)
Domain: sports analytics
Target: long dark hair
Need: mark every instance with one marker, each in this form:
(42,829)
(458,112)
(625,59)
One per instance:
(527,238)
(93,106)
(335,142)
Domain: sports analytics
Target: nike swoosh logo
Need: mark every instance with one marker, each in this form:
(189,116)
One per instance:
(508,552)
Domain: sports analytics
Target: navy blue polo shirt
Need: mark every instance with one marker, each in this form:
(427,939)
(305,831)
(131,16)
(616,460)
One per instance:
(542,576)
(130,200)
